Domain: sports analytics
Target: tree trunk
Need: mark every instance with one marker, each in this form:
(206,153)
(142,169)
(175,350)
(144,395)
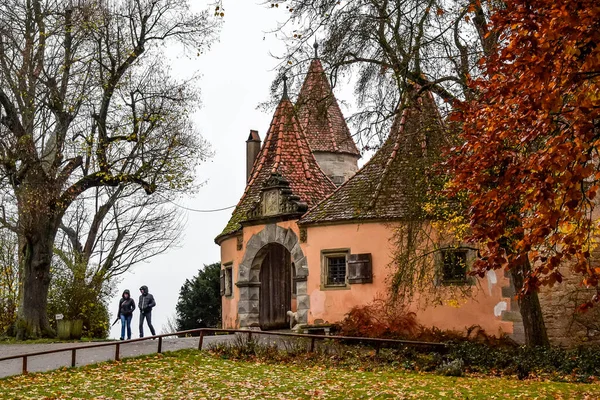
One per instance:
(531,310)
(36,258)
(38,225)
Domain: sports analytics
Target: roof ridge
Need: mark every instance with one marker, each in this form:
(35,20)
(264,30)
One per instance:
(332,134)
(257,167)
(302,152)
(279,144)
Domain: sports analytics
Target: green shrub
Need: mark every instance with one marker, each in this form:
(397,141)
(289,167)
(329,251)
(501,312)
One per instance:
(77,293)
(579,365)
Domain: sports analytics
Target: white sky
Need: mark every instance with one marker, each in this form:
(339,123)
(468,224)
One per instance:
(235,77)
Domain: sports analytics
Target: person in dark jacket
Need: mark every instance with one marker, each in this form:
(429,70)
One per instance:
(126,308)
(146,304)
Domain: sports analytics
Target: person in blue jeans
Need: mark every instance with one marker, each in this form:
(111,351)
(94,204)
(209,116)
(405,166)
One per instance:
(126,308)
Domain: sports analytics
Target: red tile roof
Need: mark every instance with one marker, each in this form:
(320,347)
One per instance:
(320,114)
(285,151)
(391,184)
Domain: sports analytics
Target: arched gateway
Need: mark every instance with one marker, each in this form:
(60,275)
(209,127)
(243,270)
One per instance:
(265,279)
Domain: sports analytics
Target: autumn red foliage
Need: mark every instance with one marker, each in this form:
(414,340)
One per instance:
(386,319)
(381,319)
(530,161)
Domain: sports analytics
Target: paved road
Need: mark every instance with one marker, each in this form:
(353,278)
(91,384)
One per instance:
(90,356)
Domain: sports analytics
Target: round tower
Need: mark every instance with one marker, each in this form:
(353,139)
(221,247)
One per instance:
(325,127)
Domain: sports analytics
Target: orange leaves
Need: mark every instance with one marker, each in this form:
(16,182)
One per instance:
(530,156)
(591,193)
(554,277)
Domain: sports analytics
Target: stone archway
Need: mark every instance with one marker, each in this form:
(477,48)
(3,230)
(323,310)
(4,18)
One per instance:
(249,274)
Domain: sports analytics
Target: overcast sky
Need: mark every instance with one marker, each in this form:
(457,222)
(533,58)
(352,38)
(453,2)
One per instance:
(235,77)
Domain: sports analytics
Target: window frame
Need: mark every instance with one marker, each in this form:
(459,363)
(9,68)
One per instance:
(228,272)
(469,256)
(326,255)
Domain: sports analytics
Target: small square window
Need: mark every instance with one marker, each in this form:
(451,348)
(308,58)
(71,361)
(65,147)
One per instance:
(335,269)
(454,266)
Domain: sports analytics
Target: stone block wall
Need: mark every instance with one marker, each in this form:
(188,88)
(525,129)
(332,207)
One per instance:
(565,325)
(513,314)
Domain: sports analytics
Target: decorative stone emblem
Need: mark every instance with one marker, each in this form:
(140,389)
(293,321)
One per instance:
(303,235)
(270,202)
(276,198)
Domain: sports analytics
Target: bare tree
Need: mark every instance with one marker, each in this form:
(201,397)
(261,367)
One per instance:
(86,102)
(389,46)
(103,235)
(116,229)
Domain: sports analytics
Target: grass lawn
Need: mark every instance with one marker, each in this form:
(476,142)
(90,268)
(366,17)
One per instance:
(196,375)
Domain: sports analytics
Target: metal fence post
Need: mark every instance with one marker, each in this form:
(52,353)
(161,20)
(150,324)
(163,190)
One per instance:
(160,345)
(312,344)
(117,348)
(73,357)
(24,365)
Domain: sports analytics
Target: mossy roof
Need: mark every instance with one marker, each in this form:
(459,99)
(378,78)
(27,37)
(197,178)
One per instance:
(390,184)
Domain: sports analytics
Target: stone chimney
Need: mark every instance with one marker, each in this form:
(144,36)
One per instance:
(252,150)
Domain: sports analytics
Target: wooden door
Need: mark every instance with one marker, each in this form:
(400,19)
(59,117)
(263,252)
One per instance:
(275,288)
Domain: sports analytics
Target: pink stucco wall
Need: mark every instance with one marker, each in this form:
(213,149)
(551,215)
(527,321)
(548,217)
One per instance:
(332,304)
(229,254)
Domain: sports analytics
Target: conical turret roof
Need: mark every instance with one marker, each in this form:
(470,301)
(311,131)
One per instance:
(389,186)
(285,153)
(320,114)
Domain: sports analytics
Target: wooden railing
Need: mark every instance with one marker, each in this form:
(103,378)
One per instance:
(201,332)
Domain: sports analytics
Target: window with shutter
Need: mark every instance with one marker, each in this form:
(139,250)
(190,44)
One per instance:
(336,270)
(222,282)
